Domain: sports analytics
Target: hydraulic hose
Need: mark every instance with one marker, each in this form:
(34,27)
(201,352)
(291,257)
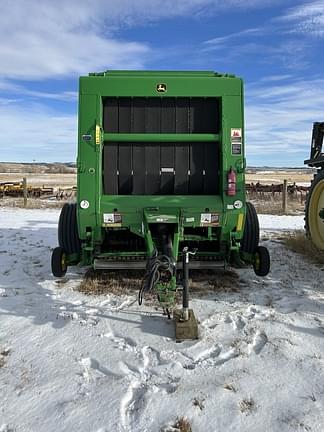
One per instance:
(157,266)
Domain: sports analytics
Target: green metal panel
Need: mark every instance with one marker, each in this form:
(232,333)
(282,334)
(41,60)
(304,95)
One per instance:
(145,85)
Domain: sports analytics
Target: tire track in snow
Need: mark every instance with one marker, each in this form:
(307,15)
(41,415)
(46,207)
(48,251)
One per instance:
(134,399)
(146,380)
(259,341)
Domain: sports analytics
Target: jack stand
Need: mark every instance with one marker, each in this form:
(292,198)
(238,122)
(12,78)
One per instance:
(186,326)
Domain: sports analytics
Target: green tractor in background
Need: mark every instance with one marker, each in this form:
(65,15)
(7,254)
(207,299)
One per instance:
(314,210)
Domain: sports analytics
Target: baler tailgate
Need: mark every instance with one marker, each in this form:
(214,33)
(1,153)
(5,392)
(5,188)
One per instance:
(159,115)
(161,168)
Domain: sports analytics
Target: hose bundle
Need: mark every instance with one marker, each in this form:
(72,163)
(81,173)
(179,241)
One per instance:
(158,268)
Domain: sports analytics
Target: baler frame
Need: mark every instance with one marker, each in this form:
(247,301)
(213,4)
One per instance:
(205,209)
(98,86)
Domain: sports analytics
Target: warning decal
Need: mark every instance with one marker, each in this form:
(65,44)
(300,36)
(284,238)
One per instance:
(236,148)
(236,135)
(209,219)
(112,219)
(236,141)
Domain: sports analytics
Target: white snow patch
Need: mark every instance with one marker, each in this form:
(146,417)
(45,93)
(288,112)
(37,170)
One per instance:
(281,223)
(81,363)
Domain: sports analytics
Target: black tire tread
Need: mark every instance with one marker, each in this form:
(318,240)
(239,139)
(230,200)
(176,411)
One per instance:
(67,231)
(264,257)
(251,235)
(68,237)
(72,227)
(56,262)
(77,244)
(61,224)
(317,178)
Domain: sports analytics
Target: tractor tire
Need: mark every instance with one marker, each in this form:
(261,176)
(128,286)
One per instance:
(261,263)
(68,237)
(314,211)
(58,262)
(251,235)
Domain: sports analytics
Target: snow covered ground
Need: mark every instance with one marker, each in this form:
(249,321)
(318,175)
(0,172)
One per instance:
(71,362)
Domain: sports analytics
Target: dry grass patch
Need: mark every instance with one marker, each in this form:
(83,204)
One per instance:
(199,403)
(183,425)
(203,281)
(298,242)
(274,206)
(32,203)
(128,282)
(230,387)
(3,354)
(113,282)
(247,405)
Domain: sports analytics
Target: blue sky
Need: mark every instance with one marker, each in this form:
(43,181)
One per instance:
(276,46)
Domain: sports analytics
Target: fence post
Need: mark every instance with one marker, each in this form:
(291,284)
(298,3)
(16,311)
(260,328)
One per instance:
(25,191)
(284,197)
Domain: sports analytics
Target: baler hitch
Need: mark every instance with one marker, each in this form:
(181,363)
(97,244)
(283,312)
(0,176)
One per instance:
(186,326)
(185,282)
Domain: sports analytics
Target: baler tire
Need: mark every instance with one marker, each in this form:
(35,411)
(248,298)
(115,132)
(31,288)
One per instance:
(72,228)
(68,236)
(67,231)
(58,262)
(75,240)
(251,235)
(64,227)
(261,264)
(314,222)
(61,225)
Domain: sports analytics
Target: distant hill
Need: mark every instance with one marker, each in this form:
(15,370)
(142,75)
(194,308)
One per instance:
(38,168)
(70,168)
(252,169)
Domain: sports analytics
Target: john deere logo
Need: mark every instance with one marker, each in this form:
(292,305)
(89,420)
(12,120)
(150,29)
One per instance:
(161,88)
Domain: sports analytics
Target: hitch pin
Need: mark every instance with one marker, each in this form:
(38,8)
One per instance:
(185,292)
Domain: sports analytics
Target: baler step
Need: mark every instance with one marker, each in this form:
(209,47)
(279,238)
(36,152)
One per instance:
(102,264)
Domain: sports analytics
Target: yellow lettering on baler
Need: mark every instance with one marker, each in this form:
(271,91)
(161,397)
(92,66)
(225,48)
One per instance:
(98,137)
(240,219)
